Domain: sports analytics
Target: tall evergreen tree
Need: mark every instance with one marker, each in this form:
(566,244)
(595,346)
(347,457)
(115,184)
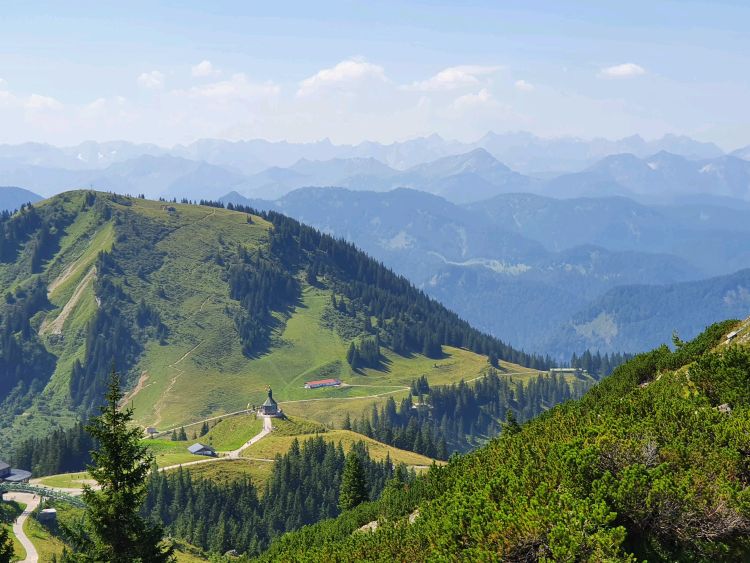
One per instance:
(114,530)
(353,490)
(6,546)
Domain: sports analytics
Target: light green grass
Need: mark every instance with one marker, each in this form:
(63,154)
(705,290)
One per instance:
(67,480)
(279,444)
(229,433)
(232,470)
(168,453)
(47,545)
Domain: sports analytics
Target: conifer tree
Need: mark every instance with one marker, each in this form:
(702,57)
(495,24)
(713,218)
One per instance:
(114,531)
(511,425)
(353,490)
(182,436)
(6,546)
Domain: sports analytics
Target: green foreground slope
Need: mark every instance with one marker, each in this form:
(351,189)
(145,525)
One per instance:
(653,463)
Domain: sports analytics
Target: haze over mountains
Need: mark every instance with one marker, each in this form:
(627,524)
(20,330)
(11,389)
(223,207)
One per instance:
(543,242)
(459,171)
(547,274)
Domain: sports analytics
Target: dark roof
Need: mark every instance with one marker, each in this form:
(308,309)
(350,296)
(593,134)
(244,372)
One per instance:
(4,465)
(269,402)
(17,476)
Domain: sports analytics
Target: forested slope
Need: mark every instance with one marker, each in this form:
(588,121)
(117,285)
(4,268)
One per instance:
(201,308)
(653,463)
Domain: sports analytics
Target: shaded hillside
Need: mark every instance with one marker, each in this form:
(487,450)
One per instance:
(484,262)
(646,466)
(627,317)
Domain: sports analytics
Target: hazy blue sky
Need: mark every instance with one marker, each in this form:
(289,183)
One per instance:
(372,70)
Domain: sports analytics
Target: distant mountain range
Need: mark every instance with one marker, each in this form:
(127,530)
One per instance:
(523,255)
(529,268)
(467,177)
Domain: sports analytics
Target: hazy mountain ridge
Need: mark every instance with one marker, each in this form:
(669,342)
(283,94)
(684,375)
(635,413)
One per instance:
(461,172)
(12,198)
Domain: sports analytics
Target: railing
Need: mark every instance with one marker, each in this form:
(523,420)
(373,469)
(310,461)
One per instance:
(46,492)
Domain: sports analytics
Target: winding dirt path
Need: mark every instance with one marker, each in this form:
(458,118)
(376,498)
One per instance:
(31,502)
(233,454)
(267,428)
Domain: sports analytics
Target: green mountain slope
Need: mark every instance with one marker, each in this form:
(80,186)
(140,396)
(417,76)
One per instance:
(653,463)
(202,308)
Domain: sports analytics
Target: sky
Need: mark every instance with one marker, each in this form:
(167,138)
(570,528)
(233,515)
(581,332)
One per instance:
(174,71)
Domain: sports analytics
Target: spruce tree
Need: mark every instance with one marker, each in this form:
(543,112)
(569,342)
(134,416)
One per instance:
(114,530)
(182,436)
(353,491)
(511,425)
(351,355)
(6,546)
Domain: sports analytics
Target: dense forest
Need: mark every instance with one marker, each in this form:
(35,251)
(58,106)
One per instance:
(303,489)
(62,451)
(621,474)
(436,421)
(26,239)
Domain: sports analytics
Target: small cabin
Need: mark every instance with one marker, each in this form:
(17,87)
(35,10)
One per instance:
(11,475)
(201,449)
(151,431)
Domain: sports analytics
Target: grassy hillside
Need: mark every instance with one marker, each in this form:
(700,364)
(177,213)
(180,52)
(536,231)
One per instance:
(202,308)
(650,464)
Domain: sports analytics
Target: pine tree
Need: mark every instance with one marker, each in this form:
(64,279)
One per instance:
(6,546)
(114,530)
(204,429)
(511,425)
(182,436)
(353,491)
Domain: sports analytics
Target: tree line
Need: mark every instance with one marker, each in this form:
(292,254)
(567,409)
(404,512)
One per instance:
(307,485)
(436,421)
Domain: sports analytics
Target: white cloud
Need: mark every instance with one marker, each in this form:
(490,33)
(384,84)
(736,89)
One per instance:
(625,70)
(454,77)
(204,69)
(524,86)
(38,102)
(153,80)
(236,88)
(3,84)
(345,73)
(469,101)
